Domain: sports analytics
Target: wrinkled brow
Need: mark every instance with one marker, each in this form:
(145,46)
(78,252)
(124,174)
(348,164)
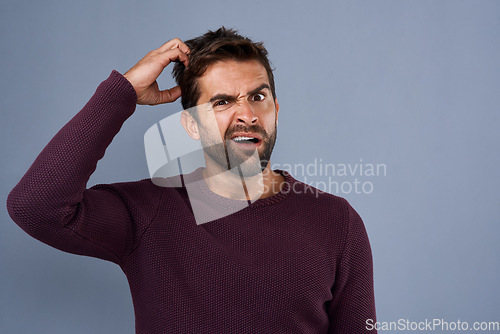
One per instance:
(232,98)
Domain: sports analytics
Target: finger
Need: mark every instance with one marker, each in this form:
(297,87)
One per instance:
(173,55)
(172,44)
(170,95)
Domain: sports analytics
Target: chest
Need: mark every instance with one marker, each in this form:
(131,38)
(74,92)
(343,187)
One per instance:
(238,259)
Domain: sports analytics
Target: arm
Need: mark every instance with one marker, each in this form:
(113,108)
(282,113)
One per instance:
(51,202)
(353,295)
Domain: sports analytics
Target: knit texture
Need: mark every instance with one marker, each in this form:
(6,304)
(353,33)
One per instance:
(296,262)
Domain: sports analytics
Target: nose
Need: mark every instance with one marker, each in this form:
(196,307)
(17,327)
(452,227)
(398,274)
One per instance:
(245,113)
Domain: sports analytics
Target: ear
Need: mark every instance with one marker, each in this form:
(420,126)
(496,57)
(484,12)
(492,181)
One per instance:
(277,108)
(189,124)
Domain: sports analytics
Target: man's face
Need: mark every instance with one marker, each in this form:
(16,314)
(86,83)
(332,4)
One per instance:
(237,115)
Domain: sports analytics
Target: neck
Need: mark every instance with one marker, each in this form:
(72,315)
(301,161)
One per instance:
(231,184)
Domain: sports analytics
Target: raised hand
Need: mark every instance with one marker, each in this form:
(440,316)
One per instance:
(143,75)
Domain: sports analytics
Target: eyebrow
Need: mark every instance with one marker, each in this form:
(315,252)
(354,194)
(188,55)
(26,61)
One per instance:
(229,97)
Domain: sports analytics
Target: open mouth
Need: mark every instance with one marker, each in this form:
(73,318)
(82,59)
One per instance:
(247,141)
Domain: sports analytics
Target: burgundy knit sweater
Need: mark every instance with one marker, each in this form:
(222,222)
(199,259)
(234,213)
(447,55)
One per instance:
(296,262)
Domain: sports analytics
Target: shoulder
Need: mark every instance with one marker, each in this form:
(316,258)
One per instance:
(326,208)
(313,196)
(144,192)
(131,188)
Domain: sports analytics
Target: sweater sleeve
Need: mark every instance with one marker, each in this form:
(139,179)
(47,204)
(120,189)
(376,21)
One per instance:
(353,304)
(51,202)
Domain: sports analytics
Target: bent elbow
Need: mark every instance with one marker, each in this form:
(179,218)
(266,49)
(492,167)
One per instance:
(31,214)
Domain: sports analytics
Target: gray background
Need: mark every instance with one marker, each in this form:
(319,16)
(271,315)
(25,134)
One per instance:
(411,84)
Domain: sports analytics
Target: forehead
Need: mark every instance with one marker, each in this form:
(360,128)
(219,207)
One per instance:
(232,77)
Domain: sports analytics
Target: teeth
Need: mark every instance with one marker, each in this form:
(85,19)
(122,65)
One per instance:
(242,138)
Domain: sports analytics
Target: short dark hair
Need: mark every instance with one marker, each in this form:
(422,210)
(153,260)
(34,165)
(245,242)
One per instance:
(209,48)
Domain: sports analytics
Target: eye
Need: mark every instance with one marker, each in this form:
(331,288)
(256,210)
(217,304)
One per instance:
(259,97)
(221,103)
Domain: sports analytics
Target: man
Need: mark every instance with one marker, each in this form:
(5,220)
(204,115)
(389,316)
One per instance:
(292,261)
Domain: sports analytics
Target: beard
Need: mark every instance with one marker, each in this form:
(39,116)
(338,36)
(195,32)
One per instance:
(245,163)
